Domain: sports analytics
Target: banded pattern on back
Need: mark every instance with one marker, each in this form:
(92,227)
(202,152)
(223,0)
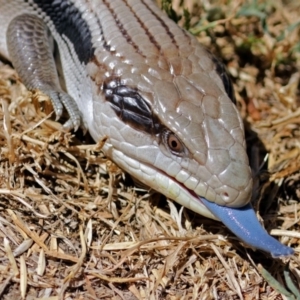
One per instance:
(68,21)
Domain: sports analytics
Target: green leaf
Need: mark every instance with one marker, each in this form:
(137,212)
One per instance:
(288,30)
(290,284)
(255,10)
(274,283)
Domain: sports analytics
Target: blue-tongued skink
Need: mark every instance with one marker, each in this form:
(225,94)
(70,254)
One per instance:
(165,102)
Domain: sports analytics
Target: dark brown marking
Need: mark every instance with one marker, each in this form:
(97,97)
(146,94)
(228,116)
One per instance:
(161,21)
(105,45)
(148,34)
(122,29)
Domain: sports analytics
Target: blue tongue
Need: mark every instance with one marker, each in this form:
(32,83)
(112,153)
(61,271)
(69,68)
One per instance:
(245,225)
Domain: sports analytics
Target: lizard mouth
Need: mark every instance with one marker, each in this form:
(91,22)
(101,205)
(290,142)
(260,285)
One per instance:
(244,223)
(241,221)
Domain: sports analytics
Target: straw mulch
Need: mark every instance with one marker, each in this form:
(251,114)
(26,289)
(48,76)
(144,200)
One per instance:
(74,226)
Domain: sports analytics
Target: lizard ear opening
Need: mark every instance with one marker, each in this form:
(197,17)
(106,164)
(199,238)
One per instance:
(221,70)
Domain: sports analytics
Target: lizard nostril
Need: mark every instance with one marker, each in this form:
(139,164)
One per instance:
(225,196)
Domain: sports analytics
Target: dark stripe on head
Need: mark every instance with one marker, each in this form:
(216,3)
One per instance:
(143,26)
(131,107)
(163,24)
(104,42)
(121,27)
(68,21)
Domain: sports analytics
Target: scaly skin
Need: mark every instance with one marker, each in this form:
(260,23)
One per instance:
(164,101)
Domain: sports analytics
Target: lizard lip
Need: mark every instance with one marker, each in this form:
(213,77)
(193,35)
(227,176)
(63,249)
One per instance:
(241,221)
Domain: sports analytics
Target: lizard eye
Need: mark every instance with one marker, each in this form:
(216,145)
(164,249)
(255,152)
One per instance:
(173,143)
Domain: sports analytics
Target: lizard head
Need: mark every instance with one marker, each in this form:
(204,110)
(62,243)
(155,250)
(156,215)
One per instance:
(179,134)
(184,138)
(167,107)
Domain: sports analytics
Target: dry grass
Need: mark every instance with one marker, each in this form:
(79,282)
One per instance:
(73,226)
